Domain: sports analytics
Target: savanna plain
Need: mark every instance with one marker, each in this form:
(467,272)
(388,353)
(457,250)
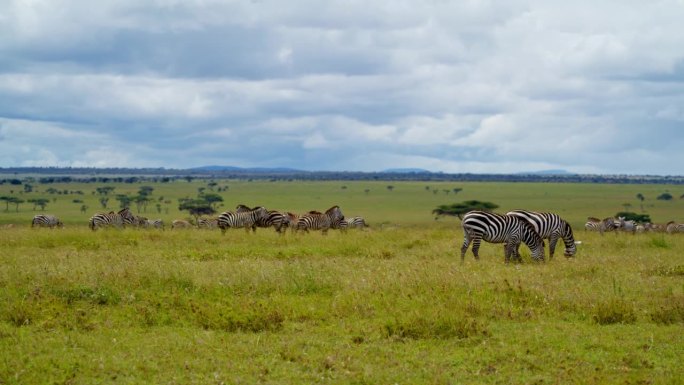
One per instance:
(389,304)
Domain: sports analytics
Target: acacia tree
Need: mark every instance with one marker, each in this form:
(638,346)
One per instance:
(39,202)
(459,209)
(196,207)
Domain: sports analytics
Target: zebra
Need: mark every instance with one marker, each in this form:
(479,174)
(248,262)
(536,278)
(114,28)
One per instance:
(351,223)
(153,224)
(601,225)
(246,219)
(272,218)
(207,223)
(42,220)
(551,226)
(356,222)
(624,225)
(496,228)
(315,220)
(118,219)
(674,227)
(180,224)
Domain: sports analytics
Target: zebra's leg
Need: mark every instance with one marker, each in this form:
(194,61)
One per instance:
(464,247)
(476,248)
(552,244)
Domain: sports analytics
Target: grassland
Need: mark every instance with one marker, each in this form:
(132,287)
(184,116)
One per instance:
(393,304)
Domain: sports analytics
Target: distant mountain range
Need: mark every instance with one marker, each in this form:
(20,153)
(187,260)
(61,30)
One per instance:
(546,172)
(247,169)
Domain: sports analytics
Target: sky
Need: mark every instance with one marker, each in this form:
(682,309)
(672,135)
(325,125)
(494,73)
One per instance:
(586,86)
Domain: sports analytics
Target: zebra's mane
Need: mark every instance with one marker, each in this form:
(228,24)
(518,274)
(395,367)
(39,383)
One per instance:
(332,209)
(593,219)
(243,207)
(315,212)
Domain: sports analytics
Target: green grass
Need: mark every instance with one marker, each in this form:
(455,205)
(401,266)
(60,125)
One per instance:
(392,304)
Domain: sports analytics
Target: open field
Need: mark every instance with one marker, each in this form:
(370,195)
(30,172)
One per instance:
(392,304)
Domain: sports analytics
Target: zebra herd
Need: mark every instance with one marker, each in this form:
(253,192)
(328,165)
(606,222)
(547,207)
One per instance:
(123,218)
(243,217)
(251,218)
(511,229)
(620,224)
(515,227)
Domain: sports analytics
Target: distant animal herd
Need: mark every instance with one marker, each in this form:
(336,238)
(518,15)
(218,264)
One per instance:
(511,229)
(243,217)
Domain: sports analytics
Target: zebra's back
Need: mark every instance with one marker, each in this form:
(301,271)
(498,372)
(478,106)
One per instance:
(46,220)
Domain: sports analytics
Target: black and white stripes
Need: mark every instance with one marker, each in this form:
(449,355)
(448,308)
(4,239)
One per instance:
(496,228)
(244,219)
(44,220)
(549,226)
(320,221)
(119,219)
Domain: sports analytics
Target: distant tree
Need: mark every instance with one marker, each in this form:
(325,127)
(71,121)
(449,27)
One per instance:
(626,205)
(457,190)
(159,207)
(459,209)
(343,187)
(211,185)
(7,201)
(84,208)
(211,198)
(196,207)
(39,202)
(28,188)
(124,200)
(427,188)
(446,191)
(630,216)
(104,201)
(641,199)
(188,178)
(16,201)
(665,197)
(105,190)
(366,191)
(141,202)
(145,190)
(390,187)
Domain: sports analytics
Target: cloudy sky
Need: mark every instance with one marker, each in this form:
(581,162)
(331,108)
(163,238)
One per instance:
(456,86)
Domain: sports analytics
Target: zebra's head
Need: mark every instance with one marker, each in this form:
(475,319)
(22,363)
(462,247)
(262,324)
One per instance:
(334,213)
(260,211)
(533,240)
(242,208)
(569,240)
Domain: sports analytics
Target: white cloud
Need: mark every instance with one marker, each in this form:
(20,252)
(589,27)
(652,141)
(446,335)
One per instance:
(453,86)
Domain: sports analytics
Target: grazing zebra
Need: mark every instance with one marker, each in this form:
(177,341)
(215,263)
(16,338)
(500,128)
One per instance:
(314,220)
(272,218)
(207,223)
(153,224)
(246,219)
(624,225)
(118,219)
(551,226)
(50,221)
(674,227)
(496,228)
(349,223)
(601,225)
(180,224)
(356,222)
